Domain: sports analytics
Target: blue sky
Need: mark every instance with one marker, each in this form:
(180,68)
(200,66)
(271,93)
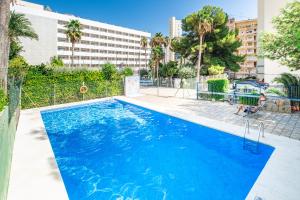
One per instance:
(146,15)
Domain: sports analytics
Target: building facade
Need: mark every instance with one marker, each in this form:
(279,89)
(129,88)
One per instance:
(101,43)
(267,69)
(247,33)
(175,31)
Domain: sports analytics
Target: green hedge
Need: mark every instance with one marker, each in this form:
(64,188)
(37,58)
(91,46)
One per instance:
(251,100)
(3,100)
(218,86)
(43,86)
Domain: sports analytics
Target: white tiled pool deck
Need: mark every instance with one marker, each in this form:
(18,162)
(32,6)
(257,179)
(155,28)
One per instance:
(35,175)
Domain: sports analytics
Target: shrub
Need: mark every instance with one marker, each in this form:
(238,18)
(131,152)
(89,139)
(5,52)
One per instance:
(46,86)
(218,86)
(109,71)
(18,67)
(216,70)
(145,73)
(3,100)
(127,71)
(251,100)
(56,62)
(275,91)
(186,72)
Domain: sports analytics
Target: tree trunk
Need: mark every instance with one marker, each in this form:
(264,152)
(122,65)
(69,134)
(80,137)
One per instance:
(146,59)
(165,55)
(199,58)
(72,57)
(4,42)
(127,60)
(139,63)
(157,69)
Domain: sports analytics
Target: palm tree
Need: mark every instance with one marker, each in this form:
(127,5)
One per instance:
(74,34)
(167,44)
(144,45)
(157,56)
(4,41)
(202,24)
(156,43)
(181,46)
(157,40)
(292,85)
(20,26)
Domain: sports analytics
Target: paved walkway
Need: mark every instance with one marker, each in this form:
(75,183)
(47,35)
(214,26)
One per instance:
(287,125)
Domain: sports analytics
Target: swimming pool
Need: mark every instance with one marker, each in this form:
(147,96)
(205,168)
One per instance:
(116,150)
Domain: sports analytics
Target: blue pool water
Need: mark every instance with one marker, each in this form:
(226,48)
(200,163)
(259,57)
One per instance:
(116,150)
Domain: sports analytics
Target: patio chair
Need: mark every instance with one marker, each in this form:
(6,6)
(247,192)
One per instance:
(252,110)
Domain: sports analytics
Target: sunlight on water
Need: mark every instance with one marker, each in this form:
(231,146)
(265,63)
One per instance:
(115,150)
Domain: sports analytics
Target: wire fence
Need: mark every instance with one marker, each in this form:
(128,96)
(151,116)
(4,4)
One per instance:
(9,118)
(48,94)
(169,87)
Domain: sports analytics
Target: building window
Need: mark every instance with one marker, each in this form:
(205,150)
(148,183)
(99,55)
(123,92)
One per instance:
(61,22)
(62,48)
(94,36)
(61,30)
(62,39)
(85,42)
(94,50)
(85,50)
(94,28)
(63,57)
(95,43)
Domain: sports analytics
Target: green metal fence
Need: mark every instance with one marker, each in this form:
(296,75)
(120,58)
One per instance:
(290,101)
(8,125)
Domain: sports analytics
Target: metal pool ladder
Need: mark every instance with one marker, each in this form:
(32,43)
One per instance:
(248,144)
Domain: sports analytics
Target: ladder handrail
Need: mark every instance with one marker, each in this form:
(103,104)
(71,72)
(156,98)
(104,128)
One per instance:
(247,126)
(261,133)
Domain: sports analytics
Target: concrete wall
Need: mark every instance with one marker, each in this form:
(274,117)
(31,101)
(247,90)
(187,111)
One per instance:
(42,50)
(267,10)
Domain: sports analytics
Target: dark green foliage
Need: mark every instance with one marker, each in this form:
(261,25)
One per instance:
(127,71)
(17,68)
(283,44)
(44,86)
(251,100)
(169,69)
(219,45)
(217,86)
(109,71)
(292,86)
(145,73)
(3,100)
(19,26)
(15,49)
(186,72)
(56,61)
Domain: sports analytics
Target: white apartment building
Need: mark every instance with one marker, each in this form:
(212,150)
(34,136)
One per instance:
(267,69)
(101,43)
(175,30)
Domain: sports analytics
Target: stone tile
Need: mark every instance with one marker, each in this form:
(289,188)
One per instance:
(295,136)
